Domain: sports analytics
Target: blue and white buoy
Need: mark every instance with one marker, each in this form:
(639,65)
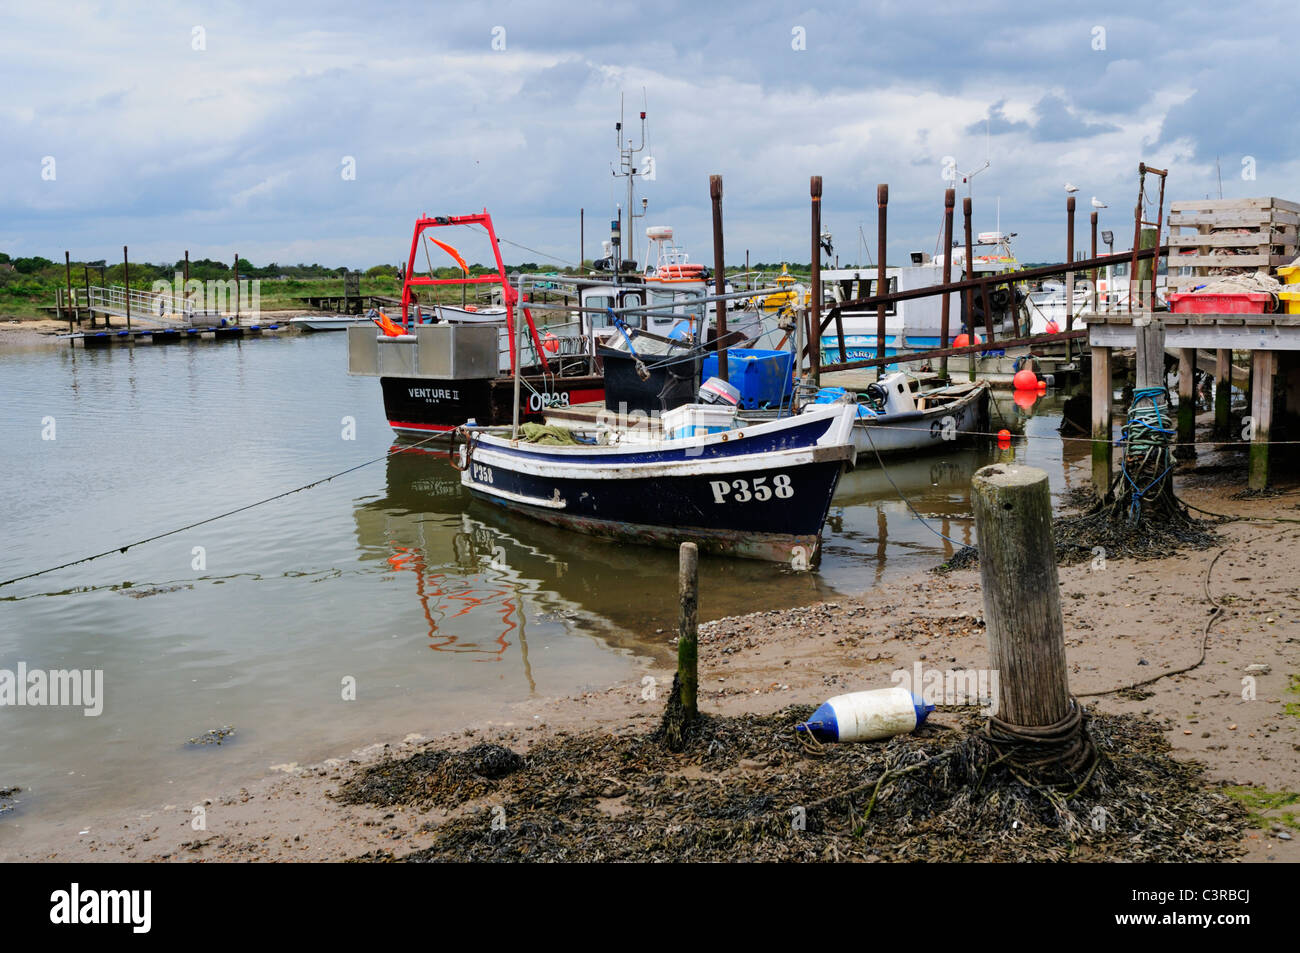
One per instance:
(867,716)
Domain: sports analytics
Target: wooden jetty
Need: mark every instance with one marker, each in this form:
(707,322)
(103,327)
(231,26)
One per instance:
(1272,342)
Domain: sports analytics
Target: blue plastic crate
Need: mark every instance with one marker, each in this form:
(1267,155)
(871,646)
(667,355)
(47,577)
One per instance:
(762,377)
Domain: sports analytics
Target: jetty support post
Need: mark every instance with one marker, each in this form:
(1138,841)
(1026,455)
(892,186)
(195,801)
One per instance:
(882,283)
(970,273)
(126,280)
(688,584)
(1022,596)
(719,274)
(1222,390)
(815,302)
(345,281)
(67,276)
(85,275)
(1263,365)
(945,304)
(1186,402)
(1069,275)
(1103,450)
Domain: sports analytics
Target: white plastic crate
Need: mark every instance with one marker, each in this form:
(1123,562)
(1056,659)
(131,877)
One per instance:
(696,420)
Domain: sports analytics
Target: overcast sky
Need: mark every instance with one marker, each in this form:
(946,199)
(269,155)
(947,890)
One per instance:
(223,127)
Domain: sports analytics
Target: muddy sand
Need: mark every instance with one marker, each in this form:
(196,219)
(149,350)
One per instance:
(1231,784)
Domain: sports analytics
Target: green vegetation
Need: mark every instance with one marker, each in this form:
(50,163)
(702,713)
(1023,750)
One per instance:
(1264,807)
(1293,688)
(30,285)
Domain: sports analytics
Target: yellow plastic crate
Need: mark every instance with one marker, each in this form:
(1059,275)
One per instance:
(1290,274)
(1290,301)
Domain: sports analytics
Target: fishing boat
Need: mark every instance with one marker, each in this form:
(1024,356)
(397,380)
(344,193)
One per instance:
(893,416)
(440,367)
(758,491)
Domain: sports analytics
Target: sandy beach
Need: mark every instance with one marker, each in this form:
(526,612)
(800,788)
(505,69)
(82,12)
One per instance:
(1126,622)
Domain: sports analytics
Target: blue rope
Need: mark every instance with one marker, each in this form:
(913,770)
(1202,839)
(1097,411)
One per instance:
(1146,434)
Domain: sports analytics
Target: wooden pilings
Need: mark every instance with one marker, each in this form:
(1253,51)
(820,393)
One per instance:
(126,281)
(1022,598)
(688,585)
(882,282)
(1222,390)
(1263,366)
(1186,400)
(815,305)
(1103,450)
(945,303)
(719,273)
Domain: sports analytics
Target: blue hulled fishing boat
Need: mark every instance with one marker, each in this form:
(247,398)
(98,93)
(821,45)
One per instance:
(760,491)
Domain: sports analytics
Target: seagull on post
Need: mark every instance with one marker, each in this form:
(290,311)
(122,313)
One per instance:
(1098,203)
(1071,187)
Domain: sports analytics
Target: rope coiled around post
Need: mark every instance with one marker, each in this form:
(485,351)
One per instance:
(1147,439)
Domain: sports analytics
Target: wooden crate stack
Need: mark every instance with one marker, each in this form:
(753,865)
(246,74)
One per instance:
(1216,237)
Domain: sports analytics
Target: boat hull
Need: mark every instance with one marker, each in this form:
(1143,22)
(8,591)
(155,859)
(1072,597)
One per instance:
(760,496)
(921,431)
(426,405)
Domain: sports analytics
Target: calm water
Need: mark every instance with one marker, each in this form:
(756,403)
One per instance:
(443,612)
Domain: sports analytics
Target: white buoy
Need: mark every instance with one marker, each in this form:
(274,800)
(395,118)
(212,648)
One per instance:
(867,716)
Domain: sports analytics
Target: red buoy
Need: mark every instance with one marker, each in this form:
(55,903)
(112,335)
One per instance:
(964,340)
(1025,379)
(1004,436)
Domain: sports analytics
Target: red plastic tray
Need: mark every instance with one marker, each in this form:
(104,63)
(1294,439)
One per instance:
(1236,302)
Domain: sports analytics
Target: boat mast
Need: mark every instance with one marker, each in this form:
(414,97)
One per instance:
(627,169)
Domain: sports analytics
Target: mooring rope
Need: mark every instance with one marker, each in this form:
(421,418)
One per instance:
(212,519)
(1147,436)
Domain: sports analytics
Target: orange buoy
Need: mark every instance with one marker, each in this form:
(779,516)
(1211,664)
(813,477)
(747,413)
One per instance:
(1053,327)
(1004,438)
(551,343)
(1025,379)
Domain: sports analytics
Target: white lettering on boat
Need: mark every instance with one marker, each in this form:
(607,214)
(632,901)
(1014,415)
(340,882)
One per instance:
(541,400)
(743,491)
(434,393)
(481,474)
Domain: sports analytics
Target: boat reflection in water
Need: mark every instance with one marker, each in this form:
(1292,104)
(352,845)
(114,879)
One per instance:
(482,575)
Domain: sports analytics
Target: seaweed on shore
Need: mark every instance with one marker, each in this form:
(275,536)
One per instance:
(750,789)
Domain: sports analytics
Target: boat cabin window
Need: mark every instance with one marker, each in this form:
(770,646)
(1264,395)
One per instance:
(601,319)
(867,289)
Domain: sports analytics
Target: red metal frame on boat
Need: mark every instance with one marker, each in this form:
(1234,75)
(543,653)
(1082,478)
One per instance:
(508,294)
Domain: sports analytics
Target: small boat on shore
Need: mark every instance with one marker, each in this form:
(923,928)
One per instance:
(759,491)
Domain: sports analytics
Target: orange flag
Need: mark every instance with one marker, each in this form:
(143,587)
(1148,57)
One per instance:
(450,251)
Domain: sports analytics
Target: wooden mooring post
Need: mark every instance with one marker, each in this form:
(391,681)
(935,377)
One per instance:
(1022,596)
(688,651)
(815,280)
(126,281)
(882,283)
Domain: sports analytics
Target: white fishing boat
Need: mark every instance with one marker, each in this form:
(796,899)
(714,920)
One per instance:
(328,322)
(893,416)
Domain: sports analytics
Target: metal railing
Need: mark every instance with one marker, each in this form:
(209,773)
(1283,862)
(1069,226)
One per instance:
(145,305)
